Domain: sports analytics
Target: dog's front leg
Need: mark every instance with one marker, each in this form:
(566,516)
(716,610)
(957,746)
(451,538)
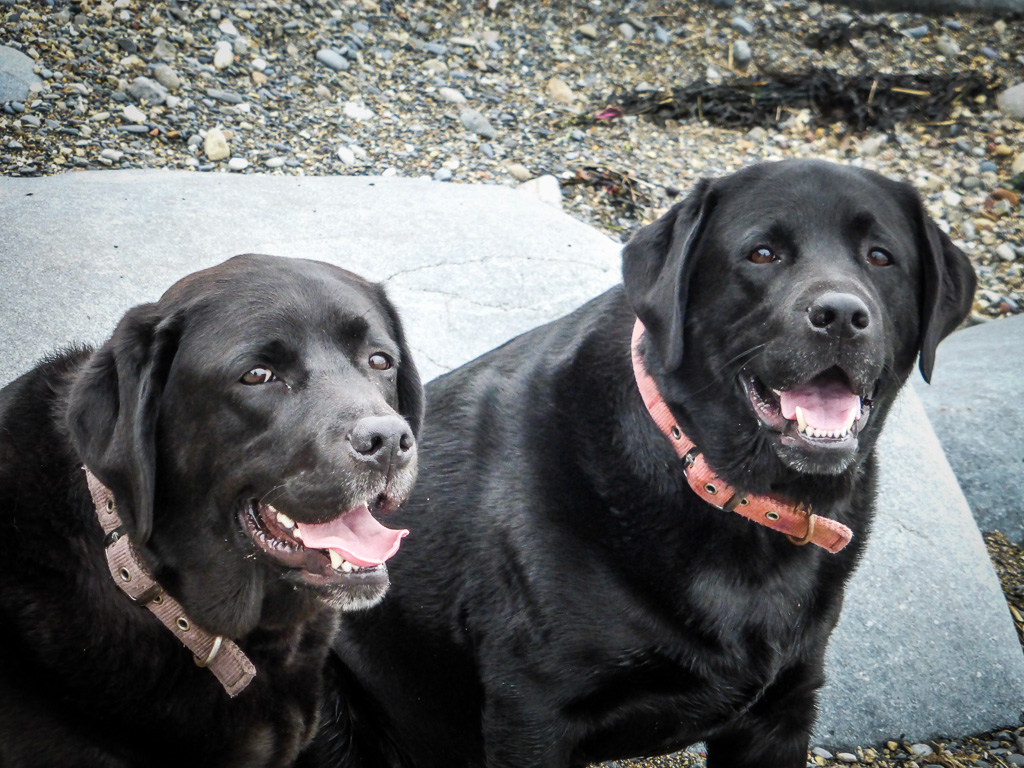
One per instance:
(775,732)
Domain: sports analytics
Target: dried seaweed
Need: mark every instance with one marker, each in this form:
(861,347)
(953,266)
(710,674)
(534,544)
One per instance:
(861,101)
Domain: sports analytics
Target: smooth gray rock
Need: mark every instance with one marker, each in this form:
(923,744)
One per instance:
(476,123)
(16,75)
(925,644)
(149,91)
(976,404)
(1011,102)
(332,59)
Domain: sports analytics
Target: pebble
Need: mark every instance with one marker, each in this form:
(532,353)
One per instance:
(223,56)
(274,162)
(332,59)
(947,47)
(588,31)
(821,752)
(357,111)
(475,122)
(31,120)
(238,164)
(1006,252)
(918,32)
(134,114)
(226,96)
(1011,102)
(215,145)
(560,91)
(452,95)
(921,750)
(442,174)
(970,183)
(149,91)
(165,50)
(989,53)
(544,188)
(167,77)
(846,757)
(519,171)
(346,155)
(742,25)
(662,35)
(627,31)
(741,53)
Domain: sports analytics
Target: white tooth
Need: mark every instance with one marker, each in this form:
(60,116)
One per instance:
(284,520)
(337,561)
(297,533)
(347,567)
(800,420)
(778,393)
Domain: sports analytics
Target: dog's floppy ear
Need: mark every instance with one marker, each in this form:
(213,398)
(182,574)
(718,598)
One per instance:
(113,409)
(949,283)
(656,269)
(410,389)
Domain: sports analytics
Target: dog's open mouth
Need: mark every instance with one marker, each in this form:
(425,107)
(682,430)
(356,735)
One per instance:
(823,411)
(351,546)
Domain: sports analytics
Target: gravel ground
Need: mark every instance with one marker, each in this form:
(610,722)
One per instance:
(465,92)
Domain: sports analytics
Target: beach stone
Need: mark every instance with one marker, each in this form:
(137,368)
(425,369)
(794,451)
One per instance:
(979,425)
(167,77)
(742,25)
(215,145)
(451,95)
(627,31)
(588,31)
(560,91)
(149,91)
(346,155)
(16,75)
(238,164)
(223,56)
(134,114)
(545,188)
(741,53)
(165,50)
(1011,102)
(475,122)
(332,59)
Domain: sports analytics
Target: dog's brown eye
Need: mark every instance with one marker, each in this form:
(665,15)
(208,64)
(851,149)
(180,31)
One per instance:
(258,376)
(380,362)
(879,258)
(762,256)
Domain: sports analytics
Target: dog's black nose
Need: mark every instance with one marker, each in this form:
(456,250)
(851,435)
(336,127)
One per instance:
(382,441)
(840,314)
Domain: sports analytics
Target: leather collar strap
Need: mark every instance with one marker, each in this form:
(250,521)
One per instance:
(225,659)
(773,511)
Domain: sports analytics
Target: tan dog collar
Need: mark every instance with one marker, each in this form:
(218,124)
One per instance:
(220,655)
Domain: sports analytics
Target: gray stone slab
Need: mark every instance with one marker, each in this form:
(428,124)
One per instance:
(925,645)
(16,75)
(976,404)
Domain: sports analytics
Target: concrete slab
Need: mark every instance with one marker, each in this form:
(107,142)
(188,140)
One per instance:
(925,645)
(976,404)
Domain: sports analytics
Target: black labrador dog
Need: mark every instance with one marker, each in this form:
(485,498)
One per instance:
(599,572)
(237,434)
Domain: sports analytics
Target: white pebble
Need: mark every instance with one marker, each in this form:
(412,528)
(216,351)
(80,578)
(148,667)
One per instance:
(274,162)
(133,113)
(346,155)
(1006,252)
(238,163)
(356,111)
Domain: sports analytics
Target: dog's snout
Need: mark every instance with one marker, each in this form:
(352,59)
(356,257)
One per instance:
(839,314)
(384,442)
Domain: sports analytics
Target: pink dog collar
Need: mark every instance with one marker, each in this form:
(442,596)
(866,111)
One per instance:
(775,512)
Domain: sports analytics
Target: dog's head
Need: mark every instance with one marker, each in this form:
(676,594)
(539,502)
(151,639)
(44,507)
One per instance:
(785,305)
(248,424)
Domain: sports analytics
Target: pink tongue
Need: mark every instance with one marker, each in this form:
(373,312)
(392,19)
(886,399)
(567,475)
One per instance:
(356,536)
(827,404)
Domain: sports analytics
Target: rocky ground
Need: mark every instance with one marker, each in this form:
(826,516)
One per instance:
(539,94)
